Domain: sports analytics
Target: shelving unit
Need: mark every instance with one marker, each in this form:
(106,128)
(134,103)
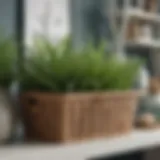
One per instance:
(136,24)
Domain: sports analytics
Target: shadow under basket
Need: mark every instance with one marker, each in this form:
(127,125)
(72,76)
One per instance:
(67,117)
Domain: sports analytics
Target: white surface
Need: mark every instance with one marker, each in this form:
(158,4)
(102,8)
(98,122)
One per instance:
(81,151)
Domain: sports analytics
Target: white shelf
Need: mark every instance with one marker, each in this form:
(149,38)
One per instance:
(138,140)
(137,13)
(146,44)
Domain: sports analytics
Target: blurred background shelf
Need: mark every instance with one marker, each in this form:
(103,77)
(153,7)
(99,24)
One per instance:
(140,14)
(145,44)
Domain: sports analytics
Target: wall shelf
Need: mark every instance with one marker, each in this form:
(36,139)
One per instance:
(140,14)
(144,44)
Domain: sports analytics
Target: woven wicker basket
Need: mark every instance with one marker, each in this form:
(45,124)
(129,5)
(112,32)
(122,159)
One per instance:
(77,116)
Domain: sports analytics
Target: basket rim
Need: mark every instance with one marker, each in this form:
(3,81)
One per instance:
(119,93)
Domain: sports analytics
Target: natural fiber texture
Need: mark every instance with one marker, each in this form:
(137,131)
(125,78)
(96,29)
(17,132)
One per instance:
(77,116)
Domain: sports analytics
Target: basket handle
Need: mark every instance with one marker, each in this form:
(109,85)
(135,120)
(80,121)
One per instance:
(33,103)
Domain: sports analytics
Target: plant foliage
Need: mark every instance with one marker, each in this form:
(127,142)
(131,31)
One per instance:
(62,69)
(7,61)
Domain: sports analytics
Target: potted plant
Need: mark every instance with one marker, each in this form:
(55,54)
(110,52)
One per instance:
(71,95)
(7,60)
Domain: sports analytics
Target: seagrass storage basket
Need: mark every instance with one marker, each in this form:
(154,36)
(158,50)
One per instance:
(67,117)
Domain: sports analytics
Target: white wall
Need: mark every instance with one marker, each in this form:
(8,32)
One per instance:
(47,17)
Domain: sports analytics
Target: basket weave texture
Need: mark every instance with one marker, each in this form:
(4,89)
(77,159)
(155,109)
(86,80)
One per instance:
(77,116)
